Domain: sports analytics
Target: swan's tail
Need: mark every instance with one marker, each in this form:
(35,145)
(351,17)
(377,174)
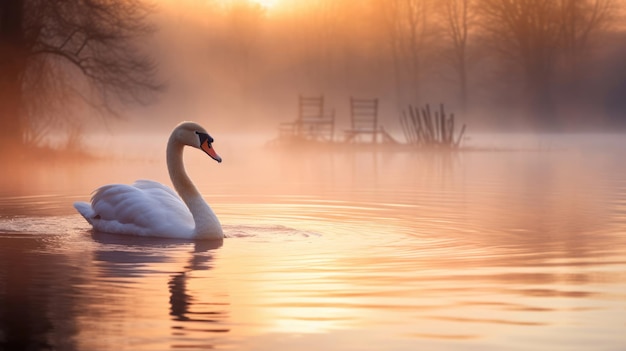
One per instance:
(85,210)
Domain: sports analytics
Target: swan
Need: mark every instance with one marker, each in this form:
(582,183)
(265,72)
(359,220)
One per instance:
(148,208)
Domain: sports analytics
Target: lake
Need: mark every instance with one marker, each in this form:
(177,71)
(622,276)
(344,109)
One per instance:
(521,249)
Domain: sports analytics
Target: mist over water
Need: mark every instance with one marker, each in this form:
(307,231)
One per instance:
(514,241)
(346,249)
(240,66)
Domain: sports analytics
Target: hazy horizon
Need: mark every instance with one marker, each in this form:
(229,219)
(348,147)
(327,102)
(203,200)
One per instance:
(239,66)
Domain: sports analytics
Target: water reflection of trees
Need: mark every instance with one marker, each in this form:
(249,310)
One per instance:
(39,297)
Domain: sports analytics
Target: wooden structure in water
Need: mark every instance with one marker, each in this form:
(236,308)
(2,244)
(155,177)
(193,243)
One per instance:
(364,122)
(314,123)
(421,126)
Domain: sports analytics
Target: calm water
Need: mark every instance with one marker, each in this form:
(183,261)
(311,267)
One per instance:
(516,250)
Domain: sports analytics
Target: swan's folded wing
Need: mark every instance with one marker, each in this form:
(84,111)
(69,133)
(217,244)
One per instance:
(150,185)
(145,204)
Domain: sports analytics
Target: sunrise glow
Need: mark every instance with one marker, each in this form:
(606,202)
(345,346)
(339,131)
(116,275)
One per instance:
(268,4)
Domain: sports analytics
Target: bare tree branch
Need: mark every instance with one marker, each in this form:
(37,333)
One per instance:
(100,39)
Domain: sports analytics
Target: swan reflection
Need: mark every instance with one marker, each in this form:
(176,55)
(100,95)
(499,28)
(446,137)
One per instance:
(149,260)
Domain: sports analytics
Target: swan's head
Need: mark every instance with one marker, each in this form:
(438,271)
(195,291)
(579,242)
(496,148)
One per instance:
(194,135)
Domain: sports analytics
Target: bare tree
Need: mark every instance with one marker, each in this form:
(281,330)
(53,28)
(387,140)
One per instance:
(13,49)
(320,42)
(536,34)
(409,27)
(458,18)
(88,48)
(527,32)
(581,21)
(324,33)
(245,23)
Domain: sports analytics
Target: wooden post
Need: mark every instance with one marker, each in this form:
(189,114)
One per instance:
(458,141)
(451,130)
(403,124)
(442,124)
(414,130)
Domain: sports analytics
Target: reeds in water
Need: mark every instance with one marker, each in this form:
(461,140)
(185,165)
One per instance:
(421,128)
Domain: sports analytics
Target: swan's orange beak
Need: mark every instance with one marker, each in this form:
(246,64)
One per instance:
(206,147)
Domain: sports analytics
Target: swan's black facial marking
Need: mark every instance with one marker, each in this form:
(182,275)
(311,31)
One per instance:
(205,145)
(204,137)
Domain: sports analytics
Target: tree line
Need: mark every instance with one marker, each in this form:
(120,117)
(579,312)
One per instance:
(548,49)
(548,60)
(548,63)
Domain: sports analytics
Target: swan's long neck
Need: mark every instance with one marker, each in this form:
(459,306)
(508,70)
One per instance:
(206,223)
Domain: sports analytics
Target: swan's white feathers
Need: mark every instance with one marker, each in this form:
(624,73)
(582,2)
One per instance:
(149,208)
(144,208)
(85,209)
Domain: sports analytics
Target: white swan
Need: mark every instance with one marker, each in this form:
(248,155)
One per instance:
(148,208)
